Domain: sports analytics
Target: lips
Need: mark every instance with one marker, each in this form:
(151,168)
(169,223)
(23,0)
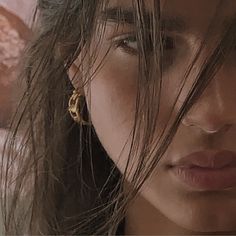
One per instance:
(207,170)
(208,159)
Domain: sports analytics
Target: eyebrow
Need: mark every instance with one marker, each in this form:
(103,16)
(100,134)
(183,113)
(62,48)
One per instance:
(172,24)
(127,16)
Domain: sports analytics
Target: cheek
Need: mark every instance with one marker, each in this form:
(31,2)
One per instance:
(112,103)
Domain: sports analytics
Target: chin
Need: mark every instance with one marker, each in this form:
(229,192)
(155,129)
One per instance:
(213,228)
(194,213)
(206,220)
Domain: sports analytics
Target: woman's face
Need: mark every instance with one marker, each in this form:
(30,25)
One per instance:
(113,92)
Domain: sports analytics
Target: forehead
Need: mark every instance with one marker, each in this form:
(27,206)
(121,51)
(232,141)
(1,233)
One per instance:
(196,13)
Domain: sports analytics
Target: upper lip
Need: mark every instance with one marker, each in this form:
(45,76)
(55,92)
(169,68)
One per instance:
(208,159)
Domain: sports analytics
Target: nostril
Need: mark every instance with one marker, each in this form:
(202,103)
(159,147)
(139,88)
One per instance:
(186,122)
(217,129)
(209,128)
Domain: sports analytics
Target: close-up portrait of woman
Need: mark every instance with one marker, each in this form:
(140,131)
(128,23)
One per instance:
(126,121)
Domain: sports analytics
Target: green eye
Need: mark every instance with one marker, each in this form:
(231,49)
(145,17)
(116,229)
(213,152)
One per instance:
(131,42)
(128,44)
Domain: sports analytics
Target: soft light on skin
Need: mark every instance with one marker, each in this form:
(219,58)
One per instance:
(163,205)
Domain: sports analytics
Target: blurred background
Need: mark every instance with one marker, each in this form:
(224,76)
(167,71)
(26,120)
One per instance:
(15,21)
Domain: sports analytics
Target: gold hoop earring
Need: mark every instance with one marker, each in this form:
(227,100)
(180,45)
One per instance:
(74,108)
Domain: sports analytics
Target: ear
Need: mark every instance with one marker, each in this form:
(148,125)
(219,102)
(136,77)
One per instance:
(75,77)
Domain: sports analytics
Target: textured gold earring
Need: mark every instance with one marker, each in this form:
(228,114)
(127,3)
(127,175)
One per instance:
(74,108)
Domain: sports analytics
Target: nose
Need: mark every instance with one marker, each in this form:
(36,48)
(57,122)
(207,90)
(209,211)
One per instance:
(215,110)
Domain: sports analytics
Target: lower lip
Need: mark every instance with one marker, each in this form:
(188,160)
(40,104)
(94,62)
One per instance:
(205,178)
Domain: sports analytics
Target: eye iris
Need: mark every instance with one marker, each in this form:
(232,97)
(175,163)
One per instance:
(131,42)
(168,42)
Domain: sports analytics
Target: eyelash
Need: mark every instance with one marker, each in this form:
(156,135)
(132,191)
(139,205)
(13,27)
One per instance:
(121,42)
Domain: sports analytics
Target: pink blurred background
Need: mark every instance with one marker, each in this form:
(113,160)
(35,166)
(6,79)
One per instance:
(15,20)
(22,8)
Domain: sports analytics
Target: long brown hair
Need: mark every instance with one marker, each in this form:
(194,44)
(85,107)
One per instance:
(60,179)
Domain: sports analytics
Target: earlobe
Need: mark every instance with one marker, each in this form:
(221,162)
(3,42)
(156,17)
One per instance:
(75,77)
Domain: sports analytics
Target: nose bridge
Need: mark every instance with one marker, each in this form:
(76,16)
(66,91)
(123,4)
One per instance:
(213,97)
(215,108)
